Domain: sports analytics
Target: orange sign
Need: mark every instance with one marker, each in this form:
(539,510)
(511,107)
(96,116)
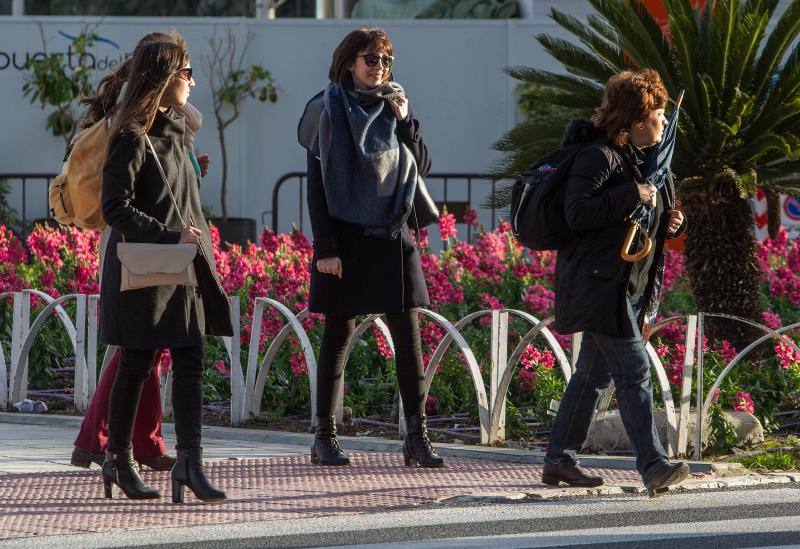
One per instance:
(656,8)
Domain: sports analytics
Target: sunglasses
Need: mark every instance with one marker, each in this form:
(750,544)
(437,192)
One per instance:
(185,74)
(372,59)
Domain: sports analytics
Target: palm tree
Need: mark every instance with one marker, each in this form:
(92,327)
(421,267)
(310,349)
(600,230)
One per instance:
(740,129)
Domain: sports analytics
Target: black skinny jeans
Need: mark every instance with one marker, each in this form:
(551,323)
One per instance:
(404,328)
(187,395)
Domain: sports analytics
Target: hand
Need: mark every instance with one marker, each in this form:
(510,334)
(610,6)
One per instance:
(190,235)
(330,265)
(647,194)
(400,107)
(676,219)
(203,160)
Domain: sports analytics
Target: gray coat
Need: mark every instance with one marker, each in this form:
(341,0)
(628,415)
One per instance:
(137,204)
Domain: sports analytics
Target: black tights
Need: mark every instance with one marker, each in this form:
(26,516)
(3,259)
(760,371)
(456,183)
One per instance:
(187,395)
(404,328)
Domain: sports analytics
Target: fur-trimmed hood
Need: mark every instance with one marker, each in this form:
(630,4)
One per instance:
(580,130)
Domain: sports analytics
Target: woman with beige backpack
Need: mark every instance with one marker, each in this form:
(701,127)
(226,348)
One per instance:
(147,441)
(159,284)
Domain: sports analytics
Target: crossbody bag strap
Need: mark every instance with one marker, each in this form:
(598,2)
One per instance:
(164,178)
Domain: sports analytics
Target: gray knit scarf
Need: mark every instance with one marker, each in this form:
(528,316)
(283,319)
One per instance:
(369,175)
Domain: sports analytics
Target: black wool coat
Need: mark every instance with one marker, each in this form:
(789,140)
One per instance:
(591,278)
(379,275)
(137,206)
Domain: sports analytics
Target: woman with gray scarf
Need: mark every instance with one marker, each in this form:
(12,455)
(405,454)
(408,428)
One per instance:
(366,161)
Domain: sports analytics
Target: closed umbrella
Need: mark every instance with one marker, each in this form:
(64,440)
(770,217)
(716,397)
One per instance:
(657,164)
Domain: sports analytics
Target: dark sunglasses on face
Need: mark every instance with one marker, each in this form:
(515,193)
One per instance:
(372,59)
(185,74)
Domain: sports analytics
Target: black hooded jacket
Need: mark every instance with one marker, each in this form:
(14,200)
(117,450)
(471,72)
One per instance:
(591,277)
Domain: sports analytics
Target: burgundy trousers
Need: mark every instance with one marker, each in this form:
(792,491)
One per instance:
(147,440)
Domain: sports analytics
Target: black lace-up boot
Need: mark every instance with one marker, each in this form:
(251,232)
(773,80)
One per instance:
(326,450)
(417,449)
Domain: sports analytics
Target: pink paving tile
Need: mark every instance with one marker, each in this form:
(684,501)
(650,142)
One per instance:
(258,489)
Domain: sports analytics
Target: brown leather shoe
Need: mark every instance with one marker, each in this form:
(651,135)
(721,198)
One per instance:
(569,474)
(85,458)
(667,474)
(158,463)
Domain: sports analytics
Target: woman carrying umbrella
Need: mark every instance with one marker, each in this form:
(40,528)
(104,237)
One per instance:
(610,295)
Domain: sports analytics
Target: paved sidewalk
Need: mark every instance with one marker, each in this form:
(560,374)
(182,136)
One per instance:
(41,494)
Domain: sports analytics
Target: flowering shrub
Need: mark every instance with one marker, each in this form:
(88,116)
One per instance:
(492,271)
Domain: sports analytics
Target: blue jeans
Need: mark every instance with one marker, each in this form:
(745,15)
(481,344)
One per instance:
(601,359)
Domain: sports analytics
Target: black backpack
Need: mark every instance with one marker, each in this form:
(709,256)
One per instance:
(537,201)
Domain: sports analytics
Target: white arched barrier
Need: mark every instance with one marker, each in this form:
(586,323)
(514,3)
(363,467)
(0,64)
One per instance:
(257,390)
(686,377)
(704,401)
(246,395)
(5,375)
(76,334)
(505,372)
(20,321)
(452,334)
(494,427)
(253,389)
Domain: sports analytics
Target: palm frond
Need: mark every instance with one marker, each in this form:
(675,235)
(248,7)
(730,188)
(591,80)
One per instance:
(640,36)
(787,144)
(787,83)
(606,50)
(688,66)
(521,159)
(750,31)
(722,28)
(778,43)
(790,184)
(577,60)
(603,28)
(567,83)
(772,118)
(500,199)
(530,133)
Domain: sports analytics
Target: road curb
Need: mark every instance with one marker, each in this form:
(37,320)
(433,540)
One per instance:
(725,483)
(376,444)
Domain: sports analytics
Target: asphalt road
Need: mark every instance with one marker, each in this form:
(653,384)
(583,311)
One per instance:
(763,517)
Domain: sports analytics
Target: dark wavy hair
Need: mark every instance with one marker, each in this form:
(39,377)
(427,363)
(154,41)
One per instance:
(629,98)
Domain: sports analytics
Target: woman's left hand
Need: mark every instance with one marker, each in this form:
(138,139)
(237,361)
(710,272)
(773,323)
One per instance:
(400,107)
(676,219)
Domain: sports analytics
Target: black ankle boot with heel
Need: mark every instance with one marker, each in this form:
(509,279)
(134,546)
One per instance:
(119,468)
(326,449)
(417,449)
(188,472)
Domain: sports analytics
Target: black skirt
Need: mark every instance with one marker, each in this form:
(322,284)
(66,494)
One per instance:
(379,275)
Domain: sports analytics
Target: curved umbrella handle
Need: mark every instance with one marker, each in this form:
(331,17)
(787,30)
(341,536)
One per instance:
(641,254)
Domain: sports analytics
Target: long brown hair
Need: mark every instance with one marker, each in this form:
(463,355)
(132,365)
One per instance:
(102,103)
(368,39)
(152,67)
(629,98)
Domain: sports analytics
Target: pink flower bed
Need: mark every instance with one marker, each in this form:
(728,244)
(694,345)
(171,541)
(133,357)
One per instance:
(491,272)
